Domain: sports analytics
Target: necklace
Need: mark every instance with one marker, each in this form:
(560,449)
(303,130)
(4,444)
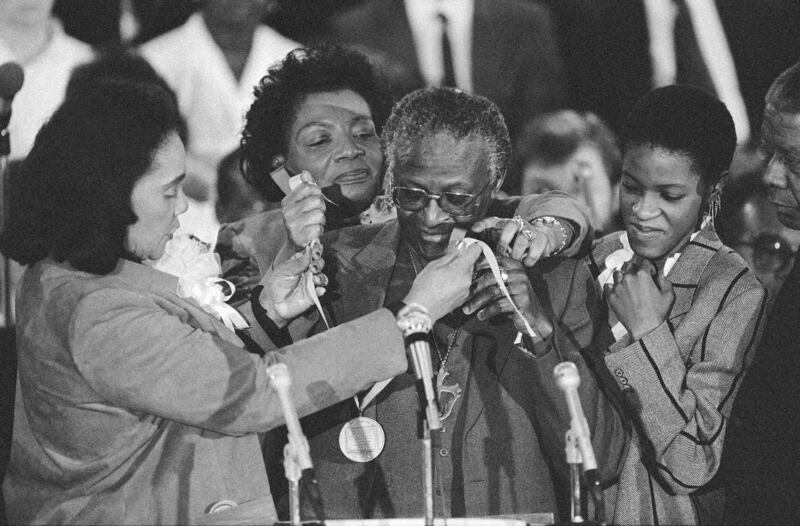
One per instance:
(447,394)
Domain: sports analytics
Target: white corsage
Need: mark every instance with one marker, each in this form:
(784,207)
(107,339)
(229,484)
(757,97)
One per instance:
(615,261)
(197,269)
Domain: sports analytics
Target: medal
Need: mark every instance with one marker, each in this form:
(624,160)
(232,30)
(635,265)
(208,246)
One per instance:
(362,439)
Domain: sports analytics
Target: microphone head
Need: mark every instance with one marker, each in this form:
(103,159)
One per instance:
(279,376)
(11,79)
(566,376)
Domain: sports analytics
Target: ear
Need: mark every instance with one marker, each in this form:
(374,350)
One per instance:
(499,183)
(277,161)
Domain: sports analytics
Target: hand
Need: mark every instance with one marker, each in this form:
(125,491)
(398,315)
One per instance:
(304,212)
(521,240)
(639,302)
(443,285)
(285,295)
(489,301)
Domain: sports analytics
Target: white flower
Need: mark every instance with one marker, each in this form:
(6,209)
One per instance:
(197,269)
(615,261)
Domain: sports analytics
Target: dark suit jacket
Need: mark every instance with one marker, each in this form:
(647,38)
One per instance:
(516,61)
(761,465)
(504,453)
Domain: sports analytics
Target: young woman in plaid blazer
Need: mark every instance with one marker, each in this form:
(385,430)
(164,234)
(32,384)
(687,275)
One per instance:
(685,311)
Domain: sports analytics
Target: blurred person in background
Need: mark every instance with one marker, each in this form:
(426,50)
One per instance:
(212,63)
(236,197)
(505,50)
(576,153)
(32,37)
(749,224)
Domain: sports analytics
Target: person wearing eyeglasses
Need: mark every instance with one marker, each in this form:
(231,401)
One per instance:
(749,224)
(502,450)
(321,111)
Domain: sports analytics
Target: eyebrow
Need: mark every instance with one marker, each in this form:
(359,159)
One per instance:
(356,119)
(175,181)
(659,186)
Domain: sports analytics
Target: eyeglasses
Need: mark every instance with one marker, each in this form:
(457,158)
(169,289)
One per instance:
(453,203)
(771,252)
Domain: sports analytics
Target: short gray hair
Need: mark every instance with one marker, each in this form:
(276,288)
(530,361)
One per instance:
(431,111)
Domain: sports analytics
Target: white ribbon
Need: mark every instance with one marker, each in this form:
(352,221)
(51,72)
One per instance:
(458,235)
(208,294)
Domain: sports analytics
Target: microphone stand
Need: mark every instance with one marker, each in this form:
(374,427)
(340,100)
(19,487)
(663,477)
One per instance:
(5,150)
(431,425)
(296,457)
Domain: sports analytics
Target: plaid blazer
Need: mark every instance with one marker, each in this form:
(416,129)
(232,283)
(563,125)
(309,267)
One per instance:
(678,382)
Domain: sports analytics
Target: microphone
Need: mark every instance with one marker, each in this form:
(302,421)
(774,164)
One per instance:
(568,380)
(415,323)
(11,79)
(296,452)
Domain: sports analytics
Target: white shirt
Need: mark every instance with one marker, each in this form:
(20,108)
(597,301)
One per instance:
(211,100)
(714,49)
(46,78)
(426,29)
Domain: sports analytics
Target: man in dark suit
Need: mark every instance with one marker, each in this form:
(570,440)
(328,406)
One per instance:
(514,60)
(762,463)
(502,450)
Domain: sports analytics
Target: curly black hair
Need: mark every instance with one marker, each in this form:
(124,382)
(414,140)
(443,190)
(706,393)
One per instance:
(685,120)
(72,198)
(304,71)
(426,112)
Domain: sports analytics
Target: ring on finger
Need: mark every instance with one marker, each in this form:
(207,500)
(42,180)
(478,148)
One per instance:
(519,221)
(504,276)
(529,234)
(617,277)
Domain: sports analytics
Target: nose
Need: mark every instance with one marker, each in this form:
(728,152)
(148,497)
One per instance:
(183,203)
(645,208)
(433,215)
(349,148)
(775,173)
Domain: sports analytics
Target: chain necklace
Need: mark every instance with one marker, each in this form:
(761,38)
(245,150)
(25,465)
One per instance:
(448,394)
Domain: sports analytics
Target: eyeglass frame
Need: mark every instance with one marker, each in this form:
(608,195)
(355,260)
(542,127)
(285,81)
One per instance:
(438,198)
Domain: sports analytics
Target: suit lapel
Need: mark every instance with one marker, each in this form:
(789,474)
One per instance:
(367,261)
(685,275)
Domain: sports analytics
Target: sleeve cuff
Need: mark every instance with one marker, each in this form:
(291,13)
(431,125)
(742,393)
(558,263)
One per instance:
(280,337)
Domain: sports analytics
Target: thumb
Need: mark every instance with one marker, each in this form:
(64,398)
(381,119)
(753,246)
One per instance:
(295,265)
(306,177)
(664,285)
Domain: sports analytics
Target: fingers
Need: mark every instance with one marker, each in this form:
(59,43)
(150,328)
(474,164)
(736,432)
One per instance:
(508,233)
(487,223)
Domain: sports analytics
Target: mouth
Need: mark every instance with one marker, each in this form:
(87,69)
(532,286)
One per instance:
(642,231)
(357,176)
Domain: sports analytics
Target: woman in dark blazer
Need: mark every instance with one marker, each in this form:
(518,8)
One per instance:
(685,311)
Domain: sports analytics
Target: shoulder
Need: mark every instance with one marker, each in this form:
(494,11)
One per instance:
(359,236)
